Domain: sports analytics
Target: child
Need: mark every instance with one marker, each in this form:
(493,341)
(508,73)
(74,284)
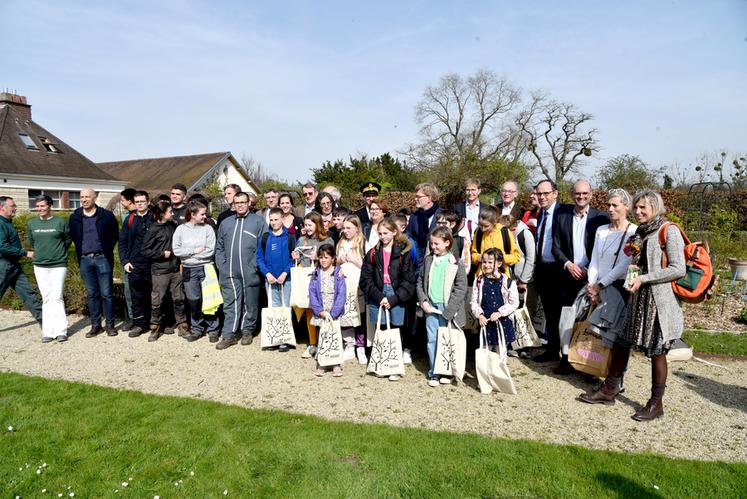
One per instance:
(306,254)
(442,292)
(274,262)
(494,235)
(495,298)
(411,320)
(350,258)
(451,220)
(388,275)
(327,295)
(164,268)
(338,218)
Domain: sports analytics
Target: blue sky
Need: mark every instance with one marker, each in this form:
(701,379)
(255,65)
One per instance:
(293,84)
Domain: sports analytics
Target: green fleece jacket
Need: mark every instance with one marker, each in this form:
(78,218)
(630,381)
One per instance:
(10,244)
(50,240)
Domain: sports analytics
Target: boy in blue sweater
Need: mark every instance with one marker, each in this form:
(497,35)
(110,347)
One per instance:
(274,262)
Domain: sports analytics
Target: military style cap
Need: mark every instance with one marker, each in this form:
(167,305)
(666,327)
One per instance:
(370,188)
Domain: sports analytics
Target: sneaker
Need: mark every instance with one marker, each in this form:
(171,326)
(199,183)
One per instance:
(360,352)
(306,353)
(135,332)
(313,350)
(94,331)
(47,339)
(349,353)
(225,343)
(283,348)
(193,337)
(169,330)
(523,354)
(247,339)
(213,337)
(512,353)
(445,381)
(127,325)
(336,372)
(110,331)
(395,377)
(62,338)
(433,382)
(407,356)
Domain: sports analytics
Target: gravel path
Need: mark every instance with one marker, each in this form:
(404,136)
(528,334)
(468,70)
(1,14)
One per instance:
(706,406)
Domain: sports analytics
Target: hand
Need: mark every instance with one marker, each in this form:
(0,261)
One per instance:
(128,267)
(167,254)
(270,278)
(282,278)
(426,307)
(313,253)
(385,303)
(576,272)
(495,316)
(294,254)
(592,289)
(199,250)
(324,315)
(342,259)
(635,285)
(30,254)
(341,273)
(482,320)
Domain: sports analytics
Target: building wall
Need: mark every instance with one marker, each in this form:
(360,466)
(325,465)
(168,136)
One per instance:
(18,186)
(230,175)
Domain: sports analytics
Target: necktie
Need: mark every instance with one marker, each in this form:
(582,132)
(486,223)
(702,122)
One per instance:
(541,240)
(469,226)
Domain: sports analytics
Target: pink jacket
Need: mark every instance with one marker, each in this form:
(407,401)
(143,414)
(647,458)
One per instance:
(510,297)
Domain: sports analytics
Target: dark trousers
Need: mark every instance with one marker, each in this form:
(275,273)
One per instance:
(548,281)
(163,284)
(240,306)
(12,277)
(96,272)
(140,289)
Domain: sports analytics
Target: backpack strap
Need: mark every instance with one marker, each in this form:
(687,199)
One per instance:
(522,244)
(265,238)
(130,220)
(506,240)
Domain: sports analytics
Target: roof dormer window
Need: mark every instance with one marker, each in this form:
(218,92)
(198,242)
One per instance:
(28,142)
(50,146)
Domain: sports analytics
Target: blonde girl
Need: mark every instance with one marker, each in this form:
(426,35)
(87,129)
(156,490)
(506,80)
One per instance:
(350,253)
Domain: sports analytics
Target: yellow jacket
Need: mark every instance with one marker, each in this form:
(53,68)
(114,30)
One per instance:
(495,240)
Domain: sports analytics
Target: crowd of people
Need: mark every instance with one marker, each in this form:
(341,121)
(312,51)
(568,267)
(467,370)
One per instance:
(472,265)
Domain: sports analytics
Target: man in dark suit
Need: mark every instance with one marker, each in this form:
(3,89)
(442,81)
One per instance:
(573,239)
(469,210)
(370,191)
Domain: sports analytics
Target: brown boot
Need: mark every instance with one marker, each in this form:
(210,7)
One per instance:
(155,332)
(605,394)
(183,329)
(654,408)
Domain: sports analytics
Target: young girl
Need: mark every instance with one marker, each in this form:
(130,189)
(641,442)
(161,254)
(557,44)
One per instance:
(388,275)
(327,295)
(493,235)
(164,268)
(442,292)
(306,254)
(350,258)
(494,298)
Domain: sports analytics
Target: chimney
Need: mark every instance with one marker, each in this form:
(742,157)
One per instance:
(18,102)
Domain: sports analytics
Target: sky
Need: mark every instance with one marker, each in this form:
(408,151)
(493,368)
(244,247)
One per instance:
(294,84)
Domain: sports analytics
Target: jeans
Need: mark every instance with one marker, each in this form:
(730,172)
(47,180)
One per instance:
(11,276)
(240,307)
(278,294)
(200,323)
(51,282)
(127,295)
(432,323)
(97,278)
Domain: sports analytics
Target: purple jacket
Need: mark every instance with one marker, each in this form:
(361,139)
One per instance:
(315,294)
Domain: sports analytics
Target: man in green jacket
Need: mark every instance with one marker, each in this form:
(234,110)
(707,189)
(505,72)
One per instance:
(11,252)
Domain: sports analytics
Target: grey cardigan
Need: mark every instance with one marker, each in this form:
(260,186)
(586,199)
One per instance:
(667,305)
(455,289)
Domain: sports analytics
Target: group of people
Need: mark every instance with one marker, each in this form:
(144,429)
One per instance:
(472,265)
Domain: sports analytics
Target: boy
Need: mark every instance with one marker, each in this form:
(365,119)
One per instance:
(459,249)
(274,262)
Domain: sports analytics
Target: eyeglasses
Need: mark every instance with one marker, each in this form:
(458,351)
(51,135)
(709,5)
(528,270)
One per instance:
(307,194)
(506,191)
(543,194)
(418,196)
(240,202)
(374,209)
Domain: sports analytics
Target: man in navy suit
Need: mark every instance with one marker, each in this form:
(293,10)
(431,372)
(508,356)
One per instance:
(573,239)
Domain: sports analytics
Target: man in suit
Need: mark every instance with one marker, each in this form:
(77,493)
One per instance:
(424,219)
(573,239)
(469,210)
(508,205)
(309,197)
(370,191)
(547,270)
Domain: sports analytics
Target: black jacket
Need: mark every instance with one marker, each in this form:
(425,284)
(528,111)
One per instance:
(106,226)
(401,272)
(562,232)
(131,238)
(158,240)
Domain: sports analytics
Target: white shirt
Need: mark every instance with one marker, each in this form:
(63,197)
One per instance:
(579,240)
(546,249)
(307,209)
(603,269)
(506,210)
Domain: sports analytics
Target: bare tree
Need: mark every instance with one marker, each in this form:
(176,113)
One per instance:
(557,134)
(467,120)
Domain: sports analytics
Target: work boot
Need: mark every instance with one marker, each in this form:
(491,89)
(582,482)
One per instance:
(110,331)
(155,332)
(605,394)
(126,325)
(135,332)
(247,339)
(94,331)
(183,330)
(225,343)
(654,408)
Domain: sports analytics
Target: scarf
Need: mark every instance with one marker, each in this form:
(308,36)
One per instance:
(421,224)
(635,243)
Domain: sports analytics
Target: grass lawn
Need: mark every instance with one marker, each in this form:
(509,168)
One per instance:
(716,343)
(93,439)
